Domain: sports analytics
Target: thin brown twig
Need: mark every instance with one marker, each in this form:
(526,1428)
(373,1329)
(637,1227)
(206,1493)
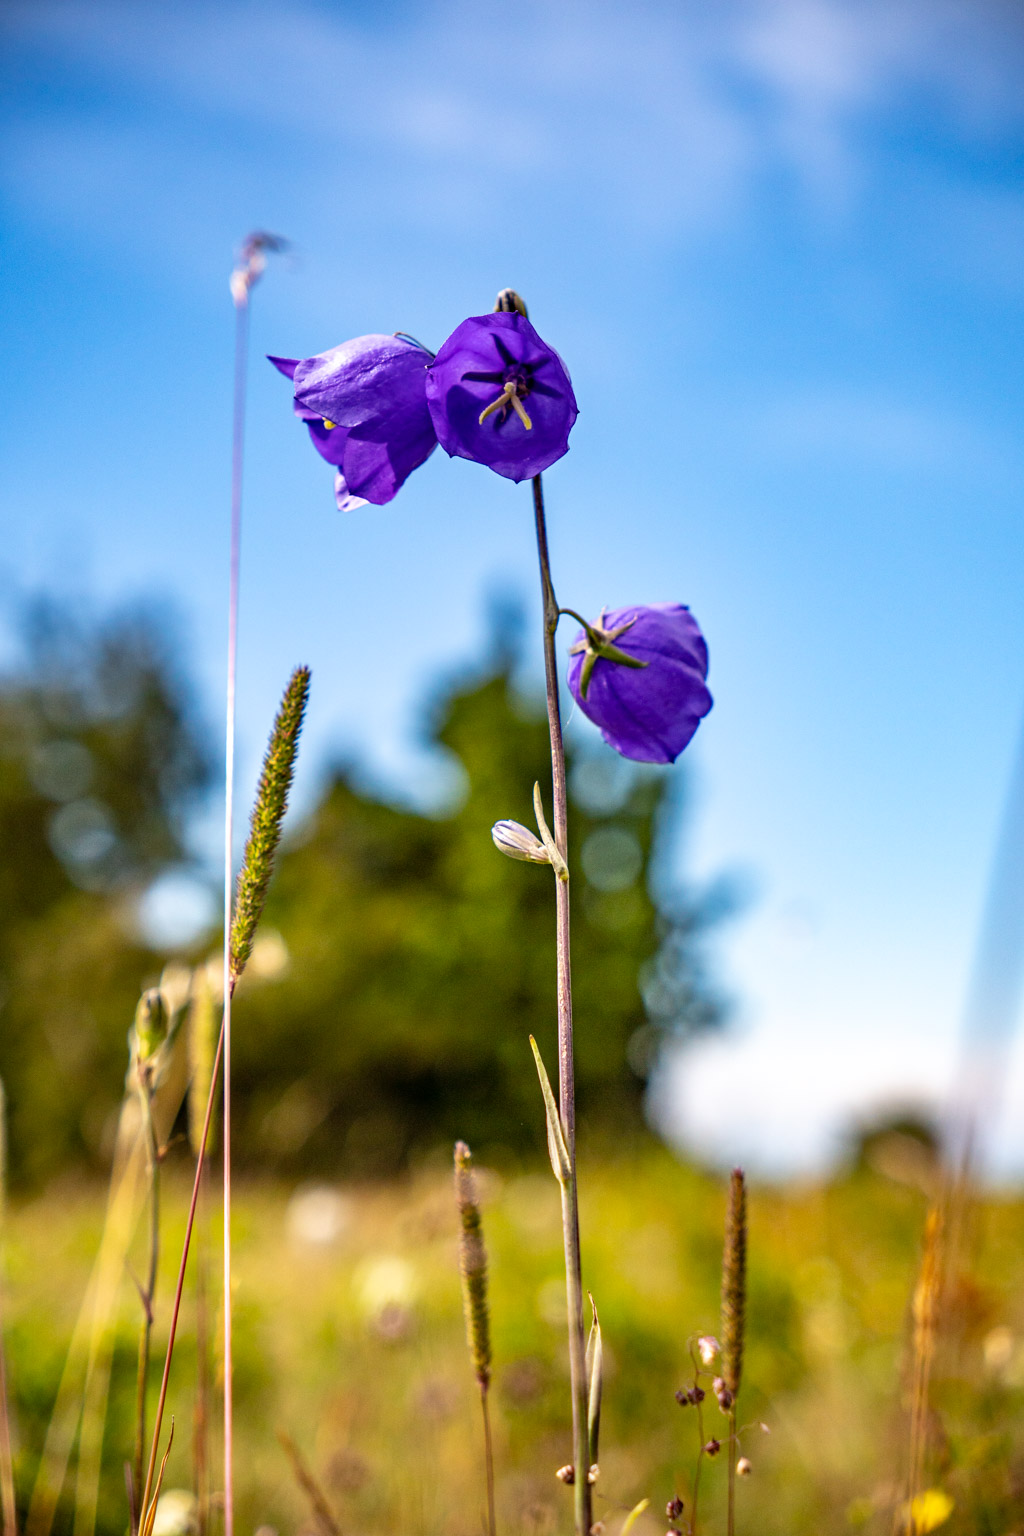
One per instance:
(176,1308)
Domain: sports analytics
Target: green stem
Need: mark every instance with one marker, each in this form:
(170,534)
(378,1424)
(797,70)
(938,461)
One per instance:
(149,1293)
(566,1080)
(731,1517)
(492,1523)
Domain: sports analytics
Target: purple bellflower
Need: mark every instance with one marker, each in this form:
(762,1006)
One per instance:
(366,409)
(501,396)
(639,673)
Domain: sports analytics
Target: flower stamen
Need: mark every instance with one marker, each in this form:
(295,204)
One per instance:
(330,425)
(508,397)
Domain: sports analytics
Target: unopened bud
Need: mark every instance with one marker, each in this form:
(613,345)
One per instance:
(743,1467)
(518,842)
(566,1475)
(674,1508)
(594,1473)
(150,1023)
(725,1399)
(712,1448)
(707,1348)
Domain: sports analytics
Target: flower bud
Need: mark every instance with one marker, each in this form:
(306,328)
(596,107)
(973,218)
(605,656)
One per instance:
(712,1447)
(150,1023)
(566,1475)
(743,1467)
(674,1508)
(518,842)
(638,674)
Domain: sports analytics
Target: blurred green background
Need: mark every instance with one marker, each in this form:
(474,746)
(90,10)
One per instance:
(403,961)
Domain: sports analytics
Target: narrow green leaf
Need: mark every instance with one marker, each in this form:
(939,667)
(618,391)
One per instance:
(633,1517)
(595,1378)
(557,1149)
(558,864)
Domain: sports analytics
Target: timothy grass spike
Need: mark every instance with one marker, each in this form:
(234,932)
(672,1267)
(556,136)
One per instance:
(473,1266)
(734,1282)
(267,816)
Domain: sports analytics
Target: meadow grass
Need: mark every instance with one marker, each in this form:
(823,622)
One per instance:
(350,1339)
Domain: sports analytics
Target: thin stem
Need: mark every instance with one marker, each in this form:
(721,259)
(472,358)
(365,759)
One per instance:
(731,1511)
(237,455)
(492,1523)
(201,1423)
(7,1499)
(696,1475)
(147,1295)
(176,1308)
(566,1080)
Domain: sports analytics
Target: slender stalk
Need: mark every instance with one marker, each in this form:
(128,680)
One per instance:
(148,1294)
(731,1515)
(566,1079)
(179,1287)
(241,297)
(485,1409)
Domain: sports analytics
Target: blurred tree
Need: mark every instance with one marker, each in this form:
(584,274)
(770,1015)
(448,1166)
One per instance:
(421,959)
(101,761)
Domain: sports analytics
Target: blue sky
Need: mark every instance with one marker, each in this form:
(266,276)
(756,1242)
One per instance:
(780,244)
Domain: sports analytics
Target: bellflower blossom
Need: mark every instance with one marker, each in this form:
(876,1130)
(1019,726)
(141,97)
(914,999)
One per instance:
(365,406)
(639,675)
(501,396)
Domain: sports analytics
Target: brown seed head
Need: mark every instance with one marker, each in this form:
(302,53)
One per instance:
(473,1267)
(734,1283)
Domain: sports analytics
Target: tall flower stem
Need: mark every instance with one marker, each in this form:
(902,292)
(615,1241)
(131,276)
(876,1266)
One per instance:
(566,1079)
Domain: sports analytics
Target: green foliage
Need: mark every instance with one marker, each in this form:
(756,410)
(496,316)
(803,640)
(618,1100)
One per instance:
(101,761)
(422,960)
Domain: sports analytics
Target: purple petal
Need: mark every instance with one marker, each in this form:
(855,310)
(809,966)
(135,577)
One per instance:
(372,391)
(501,347)
(285,365)
(648,714)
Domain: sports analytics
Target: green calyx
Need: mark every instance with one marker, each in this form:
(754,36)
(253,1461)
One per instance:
(600,643)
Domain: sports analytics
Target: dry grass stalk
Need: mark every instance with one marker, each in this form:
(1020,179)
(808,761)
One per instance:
(473,1270)
(734,1309)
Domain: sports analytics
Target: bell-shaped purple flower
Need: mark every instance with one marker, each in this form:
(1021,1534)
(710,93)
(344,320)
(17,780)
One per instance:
(639,675)
(365,406)
(501,396)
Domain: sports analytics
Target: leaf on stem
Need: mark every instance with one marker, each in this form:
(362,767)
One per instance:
(595,1381)
(633,1517)
(557,1149)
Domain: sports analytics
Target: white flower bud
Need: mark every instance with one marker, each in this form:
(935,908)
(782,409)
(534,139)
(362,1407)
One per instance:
(518,842)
